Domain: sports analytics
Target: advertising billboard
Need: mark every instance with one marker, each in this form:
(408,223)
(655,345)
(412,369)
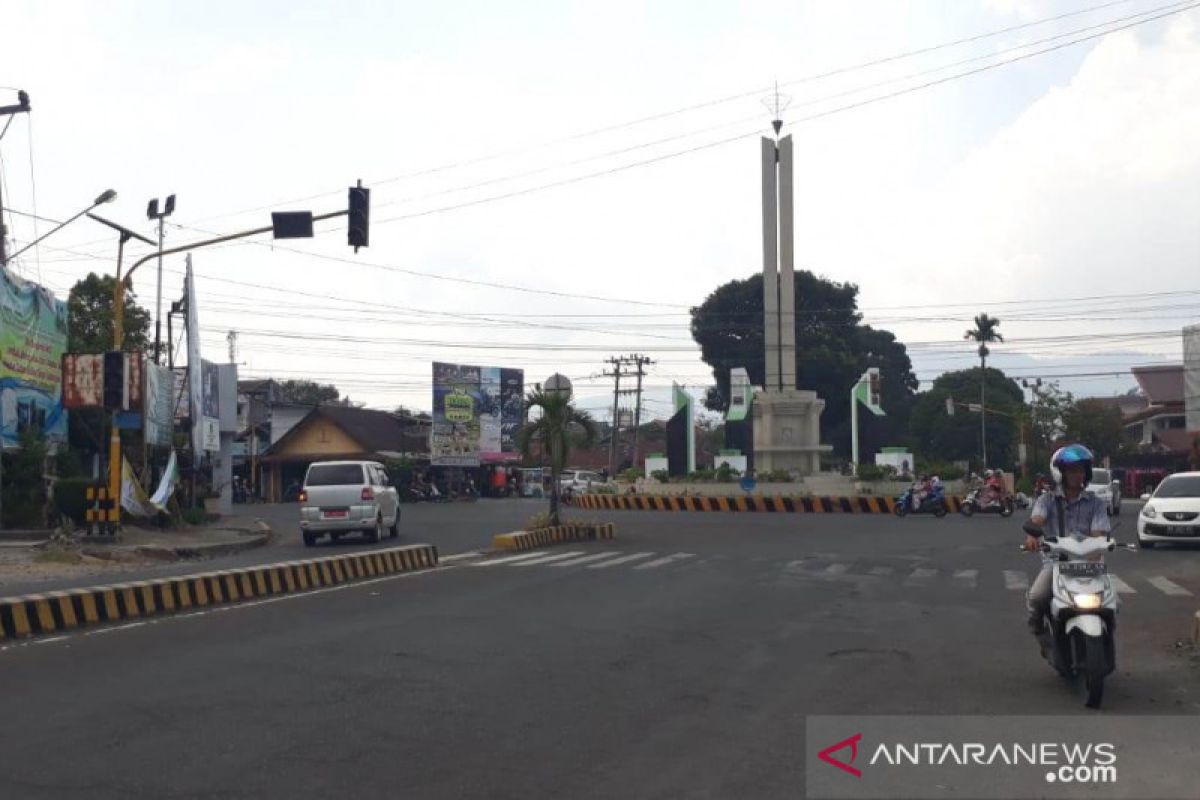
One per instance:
(33,338)
(477,412)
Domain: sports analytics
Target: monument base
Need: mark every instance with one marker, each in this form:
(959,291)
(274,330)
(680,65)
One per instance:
(787,431)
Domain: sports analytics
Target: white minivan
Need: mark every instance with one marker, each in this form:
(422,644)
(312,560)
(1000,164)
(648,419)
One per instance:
(345,497)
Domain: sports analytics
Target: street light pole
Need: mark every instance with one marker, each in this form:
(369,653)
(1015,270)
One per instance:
(153,213)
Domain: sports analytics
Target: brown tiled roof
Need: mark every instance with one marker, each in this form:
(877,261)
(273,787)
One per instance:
(376,431)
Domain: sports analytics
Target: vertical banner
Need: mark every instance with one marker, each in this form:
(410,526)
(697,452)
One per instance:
(454,440)
(512,414)
(158,409)
(490,412)
(210,406)
(33,338)
(1191,378)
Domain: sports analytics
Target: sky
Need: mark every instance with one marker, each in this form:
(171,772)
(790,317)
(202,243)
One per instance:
(556,183)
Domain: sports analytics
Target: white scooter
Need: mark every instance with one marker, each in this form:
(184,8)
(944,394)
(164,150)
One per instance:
(1080,634)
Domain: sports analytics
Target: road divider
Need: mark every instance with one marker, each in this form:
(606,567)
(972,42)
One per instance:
(56,612)
(541,537)
(861,504)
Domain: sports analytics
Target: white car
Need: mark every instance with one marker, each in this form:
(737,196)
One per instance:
(1107,489)
(1172,514)
(578,480)
(345,497)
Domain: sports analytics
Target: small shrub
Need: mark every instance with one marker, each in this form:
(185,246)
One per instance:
(70,498)
(661,475)
(726,474)
(196,516)
(701,475)
(632,474)
(604,488)
(870,472)
(775,476)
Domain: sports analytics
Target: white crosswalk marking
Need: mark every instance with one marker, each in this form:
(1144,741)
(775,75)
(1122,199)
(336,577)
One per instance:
(881,570)
(1167,586)
(658,562)
(583,559)
(921,575)
(621,560)
(494,561)
(966,577)
(1120,586)
(1015,580)
(547,559)
(836,569)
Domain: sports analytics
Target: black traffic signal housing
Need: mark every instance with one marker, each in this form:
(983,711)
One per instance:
(359,225)
(875,389)
(114,380)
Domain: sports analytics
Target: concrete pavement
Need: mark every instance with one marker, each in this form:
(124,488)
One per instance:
(577,671)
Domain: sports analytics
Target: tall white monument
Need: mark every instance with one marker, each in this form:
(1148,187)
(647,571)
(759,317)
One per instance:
(787,430)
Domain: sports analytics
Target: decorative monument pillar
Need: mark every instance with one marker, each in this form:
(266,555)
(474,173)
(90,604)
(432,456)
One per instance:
(786,420)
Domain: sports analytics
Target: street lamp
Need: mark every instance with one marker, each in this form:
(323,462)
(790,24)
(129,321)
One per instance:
(107,196)
(153,213)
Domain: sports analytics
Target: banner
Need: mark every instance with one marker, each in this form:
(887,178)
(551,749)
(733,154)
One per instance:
(33,338)
(159,409)
(134,498)
(476,414)
(194,376)
(210,406)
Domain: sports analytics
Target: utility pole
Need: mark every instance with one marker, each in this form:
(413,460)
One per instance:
(22,107)
(232,338)
(616,425)
(153,213)
(642,362)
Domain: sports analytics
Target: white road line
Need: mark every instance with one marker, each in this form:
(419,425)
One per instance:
(583,559)
(836,569)
(921,575)
(1120,586)
(1015,580)
(621,560)
(658,562)
(1168,586)
(796,566)
(967,577)
(547,559)
(881,570)
(461,556)
(492,561)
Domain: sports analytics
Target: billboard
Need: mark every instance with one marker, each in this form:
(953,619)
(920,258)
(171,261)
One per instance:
(33,338)
(159,407)
(477,412)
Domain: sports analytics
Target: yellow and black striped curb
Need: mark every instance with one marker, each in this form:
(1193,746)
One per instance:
(34,614)
(863,504)
(528,540)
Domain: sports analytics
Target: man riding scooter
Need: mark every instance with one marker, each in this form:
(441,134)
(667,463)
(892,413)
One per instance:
(1070,510)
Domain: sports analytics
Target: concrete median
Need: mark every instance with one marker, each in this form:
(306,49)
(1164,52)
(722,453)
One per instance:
(56,612)
(861,504)
(541,537)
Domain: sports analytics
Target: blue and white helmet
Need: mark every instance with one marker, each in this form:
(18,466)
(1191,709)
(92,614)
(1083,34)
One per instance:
(1071,454)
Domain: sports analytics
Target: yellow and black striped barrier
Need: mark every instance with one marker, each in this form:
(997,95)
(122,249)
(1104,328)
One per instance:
(103,514)
(861,504)
(575,532)
(54,612)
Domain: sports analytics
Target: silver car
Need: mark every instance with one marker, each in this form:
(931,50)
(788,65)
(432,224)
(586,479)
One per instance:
(348,496)
(1107,489)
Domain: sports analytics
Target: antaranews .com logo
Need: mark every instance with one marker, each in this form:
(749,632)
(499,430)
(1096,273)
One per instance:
(1063,762)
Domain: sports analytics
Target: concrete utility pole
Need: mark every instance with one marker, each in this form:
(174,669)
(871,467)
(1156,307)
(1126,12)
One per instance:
(641,362)
(631,366)
(616,425)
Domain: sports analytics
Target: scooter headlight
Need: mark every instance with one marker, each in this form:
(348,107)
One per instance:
(1087,601)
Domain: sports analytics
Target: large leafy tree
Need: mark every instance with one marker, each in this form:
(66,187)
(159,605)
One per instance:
(554,425)
(308,392)
(985,332)
(945,437)
(1096,424)
(833,348)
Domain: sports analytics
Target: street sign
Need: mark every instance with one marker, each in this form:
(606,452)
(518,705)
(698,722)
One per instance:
(974,408)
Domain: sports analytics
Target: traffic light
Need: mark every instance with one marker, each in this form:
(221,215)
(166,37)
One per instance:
(359,227)
(875,389)
(114,380)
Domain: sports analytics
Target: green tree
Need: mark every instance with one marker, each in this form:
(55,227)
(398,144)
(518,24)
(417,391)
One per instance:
(941,437)
(91,327)
(1096,424)
(1048,415)
(555,430)
(833,348)
(984,332)
(307,392)
(24,489)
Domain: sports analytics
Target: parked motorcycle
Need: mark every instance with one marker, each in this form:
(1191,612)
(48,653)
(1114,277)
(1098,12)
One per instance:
(974,502)
(934,503)
(1079,637)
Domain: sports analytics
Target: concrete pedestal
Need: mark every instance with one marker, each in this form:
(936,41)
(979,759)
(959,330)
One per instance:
(787,431)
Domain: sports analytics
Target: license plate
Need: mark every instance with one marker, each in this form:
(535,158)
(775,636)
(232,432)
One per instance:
(335,514)
(1085,569)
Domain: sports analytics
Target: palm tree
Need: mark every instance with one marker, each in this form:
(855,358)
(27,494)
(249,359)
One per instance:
(985,331)
(554,433)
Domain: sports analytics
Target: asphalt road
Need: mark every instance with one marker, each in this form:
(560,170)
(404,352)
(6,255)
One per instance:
(680,661)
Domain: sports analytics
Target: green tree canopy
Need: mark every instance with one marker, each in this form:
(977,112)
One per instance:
(833,348)
(1096,424)
(309,392)
(941,437)
(90,304)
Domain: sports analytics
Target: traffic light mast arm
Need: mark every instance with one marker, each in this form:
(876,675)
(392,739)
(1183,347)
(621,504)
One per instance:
(183,248)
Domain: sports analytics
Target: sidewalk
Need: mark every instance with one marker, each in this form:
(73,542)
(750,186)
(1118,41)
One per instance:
(36,566)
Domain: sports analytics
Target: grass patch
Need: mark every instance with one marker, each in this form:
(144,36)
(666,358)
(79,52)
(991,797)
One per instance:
(58,557)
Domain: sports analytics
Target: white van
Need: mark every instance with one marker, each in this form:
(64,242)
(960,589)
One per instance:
(348,496)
